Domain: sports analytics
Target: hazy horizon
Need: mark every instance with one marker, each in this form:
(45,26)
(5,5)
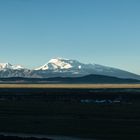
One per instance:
(90,31)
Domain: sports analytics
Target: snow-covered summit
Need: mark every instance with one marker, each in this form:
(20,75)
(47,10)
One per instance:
(4,66)
(58,64)
(61,64)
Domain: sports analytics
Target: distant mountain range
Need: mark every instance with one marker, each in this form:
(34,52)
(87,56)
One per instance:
(60,67)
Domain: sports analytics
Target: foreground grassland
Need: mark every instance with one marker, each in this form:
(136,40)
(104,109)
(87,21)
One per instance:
(112,122)
(38,111)
(70,86)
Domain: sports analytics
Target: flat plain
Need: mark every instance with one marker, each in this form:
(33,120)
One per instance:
(83,110)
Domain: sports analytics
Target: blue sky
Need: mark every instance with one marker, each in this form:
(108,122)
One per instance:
(92,31)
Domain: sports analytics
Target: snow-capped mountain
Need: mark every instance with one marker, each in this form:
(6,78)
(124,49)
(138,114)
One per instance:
(73,68)
(61,64)
(60,67)
(9,70)
(4,66)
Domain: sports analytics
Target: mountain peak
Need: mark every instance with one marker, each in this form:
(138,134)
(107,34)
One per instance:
(54,60)
(56,63)
(4,66)
(61,64)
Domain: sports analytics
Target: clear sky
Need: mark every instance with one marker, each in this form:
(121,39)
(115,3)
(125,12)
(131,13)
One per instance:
(92,31)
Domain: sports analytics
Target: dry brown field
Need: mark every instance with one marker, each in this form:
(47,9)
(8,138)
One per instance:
(73,86)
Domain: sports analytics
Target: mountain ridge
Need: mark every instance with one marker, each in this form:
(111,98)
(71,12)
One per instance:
(60,67)
(9,66)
